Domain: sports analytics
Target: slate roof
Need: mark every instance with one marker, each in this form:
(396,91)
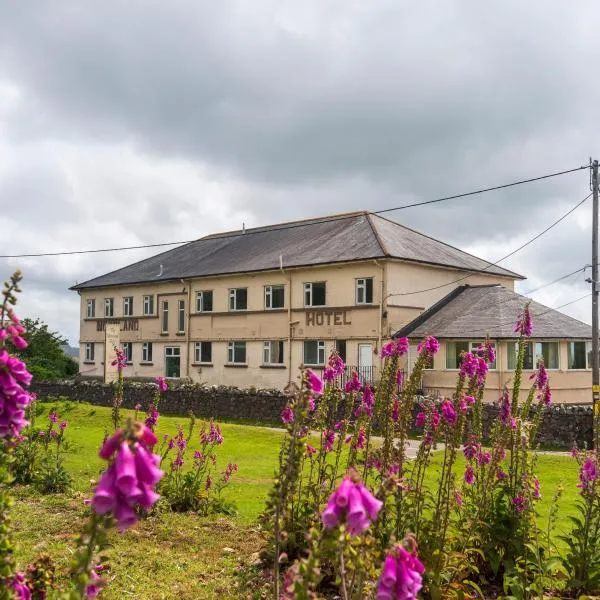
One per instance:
(471,312)
(339,238)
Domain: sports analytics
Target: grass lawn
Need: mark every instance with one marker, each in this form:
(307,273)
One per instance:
(184,556)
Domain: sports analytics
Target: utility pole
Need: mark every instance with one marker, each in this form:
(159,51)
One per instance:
(595,340)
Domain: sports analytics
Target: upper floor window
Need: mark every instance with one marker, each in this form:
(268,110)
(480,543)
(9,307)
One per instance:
(89,351)
(128,351)
(147,352)
(236,353)
(181,316)
(314,294)
(204,301)
(238,299)
(580,355)
(91,308)
(274,296)
(128,306)
(534,352)
(364,290)
(314,352)
(165,317)
(148,305)
(203,352)
(273,353)
(109,307)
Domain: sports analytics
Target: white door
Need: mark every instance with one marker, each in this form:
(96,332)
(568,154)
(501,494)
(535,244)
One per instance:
(365,362)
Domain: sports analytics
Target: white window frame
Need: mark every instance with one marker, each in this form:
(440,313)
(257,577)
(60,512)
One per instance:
(269,296)
(320,351)
(91,308)
(181,316)
(535,355)
(361,287)
(473,347)
(268,352)
(149,304)
(127,348)
(308,293)
(109,302)
(198,353)
(231,352)
(128,306)
(200,297)
(233,300)
(164,316)
(89,352)
(147,352)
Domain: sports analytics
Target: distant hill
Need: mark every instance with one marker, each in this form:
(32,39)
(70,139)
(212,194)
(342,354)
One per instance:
(72,351)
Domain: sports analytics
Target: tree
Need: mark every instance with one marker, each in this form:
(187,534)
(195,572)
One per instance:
(44,354)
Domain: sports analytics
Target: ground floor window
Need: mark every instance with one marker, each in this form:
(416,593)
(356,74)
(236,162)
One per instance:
(340,346)
(147,352)
(580,355)
(455,349)
(203,352)
(236,353)
(128,351)
(314,352)
(534,352)
(273,352)
(173,361)
(89,351)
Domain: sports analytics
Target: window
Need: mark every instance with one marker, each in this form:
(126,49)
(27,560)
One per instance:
(203,352)
(236,353)
(364,290)
(274,296)
(91,308)
(238,299)
(340,346)
(580,355)
(165,316)
(127,348)
(181,316)
(147,349)
(314,294)
(534,351)
(148,305)
(109,307)
(453,352)
(204,301)
(89,352)
(273,353)
(474,348)
(128,306)
(314,352)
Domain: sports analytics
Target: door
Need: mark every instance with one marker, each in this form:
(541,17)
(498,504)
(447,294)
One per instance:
(365,362)
(172,361)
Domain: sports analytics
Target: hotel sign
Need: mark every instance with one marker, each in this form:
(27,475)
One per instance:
(327,317)
(128,325)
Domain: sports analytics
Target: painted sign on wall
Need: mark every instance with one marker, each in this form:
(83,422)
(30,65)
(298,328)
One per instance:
(112,340)
(327,317)
(128,325)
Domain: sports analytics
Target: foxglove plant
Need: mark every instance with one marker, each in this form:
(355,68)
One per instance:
(120,361)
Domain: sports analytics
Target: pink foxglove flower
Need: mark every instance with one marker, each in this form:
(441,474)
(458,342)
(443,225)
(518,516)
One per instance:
(314,382)
(395,410)
(524,325)
(520,503)
(588,473)
(353,384)
(161,382)
(429,345)
(328,440)
(95,585)
(20,588)
(401,577)
(352,503)
(328,374)
(468,365)
(336,364)
(537,488)
(458,498)
(501,475)
(310,450)
(421,419)
(448,413)
(469,475)
(287,415)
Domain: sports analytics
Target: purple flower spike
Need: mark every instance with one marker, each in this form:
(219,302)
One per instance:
(315,383)
(401,576)
(125,470)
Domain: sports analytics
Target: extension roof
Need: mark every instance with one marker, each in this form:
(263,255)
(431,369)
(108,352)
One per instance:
(348,237)
(472,312)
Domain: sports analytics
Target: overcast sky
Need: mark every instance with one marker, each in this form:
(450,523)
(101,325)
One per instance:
(148,121)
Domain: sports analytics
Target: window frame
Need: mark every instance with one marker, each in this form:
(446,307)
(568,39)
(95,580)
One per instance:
(587,351)
(199,351)
(268,294)
(127,348)
(534,354)
(109,302)
(164,316)
(200,301)
(90,353)
(309,294)
(321,346)
(233,299)
(231,347)
(147,352)
(128,306)
(181,316)
(267,353)
(361,286)
(148,304)
(91,303)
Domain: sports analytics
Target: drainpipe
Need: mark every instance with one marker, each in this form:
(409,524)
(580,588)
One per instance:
(380,328)
(187,329)
(290,326)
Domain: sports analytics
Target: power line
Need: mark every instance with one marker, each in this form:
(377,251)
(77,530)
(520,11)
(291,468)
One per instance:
(537,289)
(533,239)
(303,223)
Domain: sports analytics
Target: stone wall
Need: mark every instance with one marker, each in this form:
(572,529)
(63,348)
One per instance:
(561,425)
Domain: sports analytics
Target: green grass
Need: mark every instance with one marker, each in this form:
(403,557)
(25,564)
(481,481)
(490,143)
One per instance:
(185,556)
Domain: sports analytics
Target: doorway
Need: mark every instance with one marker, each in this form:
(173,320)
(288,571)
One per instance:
(365,362)
(173,361)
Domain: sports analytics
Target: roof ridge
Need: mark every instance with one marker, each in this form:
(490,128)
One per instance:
(384,250)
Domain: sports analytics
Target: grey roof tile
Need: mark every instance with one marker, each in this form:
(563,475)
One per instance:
(476,311)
